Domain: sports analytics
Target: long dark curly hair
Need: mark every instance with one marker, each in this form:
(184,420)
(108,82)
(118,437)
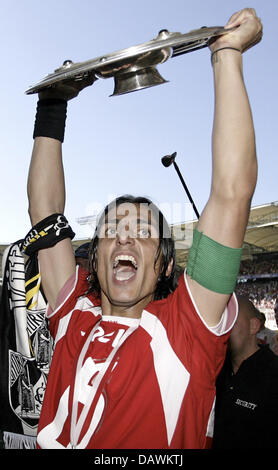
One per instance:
(166,248)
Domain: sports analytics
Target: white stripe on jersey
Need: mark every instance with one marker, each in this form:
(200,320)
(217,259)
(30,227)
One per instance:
(172,376)
(63,326)
(83,304)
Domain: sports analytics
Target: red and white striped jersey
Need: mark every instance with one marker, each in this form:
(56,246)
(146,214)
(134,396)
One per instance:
(123,383)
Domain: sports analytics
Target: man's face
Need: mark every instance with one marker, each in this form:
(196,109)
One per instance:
(245,328)
(127,248)
(240,332)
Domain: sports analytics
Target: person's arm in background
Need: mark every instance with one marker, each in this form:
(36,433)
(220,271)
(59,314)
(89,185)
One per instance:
(46,187)
(234,171)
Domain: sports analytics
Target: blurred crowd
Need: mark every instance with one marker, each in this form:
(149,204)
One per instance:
(262,294)
(259,266)
(261,281)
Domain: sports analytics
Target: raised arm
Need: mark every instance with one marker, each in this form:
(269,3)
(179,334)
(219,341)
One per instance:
(234,165)
(46,185)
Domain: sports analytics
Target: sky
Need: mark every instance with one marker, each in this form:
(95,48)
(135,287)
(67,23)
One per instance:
(114,145)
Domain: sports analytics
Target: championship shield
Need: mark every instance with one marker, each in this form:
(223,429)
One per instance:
(133,68)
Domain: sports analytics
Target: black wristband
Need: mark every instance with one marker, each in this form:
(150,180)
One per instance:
(51,119)
(47,233)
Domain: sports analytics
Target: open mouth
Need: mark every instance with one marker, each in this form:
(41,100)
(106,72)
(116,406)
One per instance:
(124,267)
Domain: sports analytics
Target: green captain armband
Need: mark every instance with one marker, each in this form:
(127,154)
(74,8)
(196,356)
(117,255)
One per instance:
(213,265)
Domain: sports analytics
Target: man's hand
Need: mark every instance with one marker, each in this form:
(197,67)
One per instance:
(248,33)
(68,89)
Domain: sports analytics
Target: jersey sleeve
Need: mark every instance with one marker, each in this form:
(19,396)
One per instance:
(74,287)
(227,319)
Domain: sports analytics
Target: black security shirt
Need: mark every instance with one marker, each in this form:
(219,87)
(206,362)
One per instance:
(246,411)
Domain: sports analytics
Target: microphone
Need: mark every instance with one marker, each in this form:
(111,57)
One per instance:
(167,161)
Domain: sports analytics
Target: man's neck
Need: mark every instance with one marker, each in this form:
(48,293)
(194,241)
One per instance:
(237,357)
(128,311)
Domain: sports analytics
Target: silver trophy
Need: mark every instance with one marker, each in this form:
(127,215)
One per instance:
(133,68)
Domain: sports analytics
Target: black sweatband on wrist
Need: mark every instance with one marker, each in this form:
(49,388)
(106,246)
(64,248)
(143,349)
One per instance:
(51,119)
(47,233)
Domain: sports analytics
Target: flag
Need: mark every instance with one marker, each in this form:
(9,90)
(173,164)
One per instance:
(25,348)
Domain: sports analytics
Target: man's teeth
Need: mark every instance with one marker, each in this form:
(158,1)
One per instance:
(124,273)
(124,258)
(124,276)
